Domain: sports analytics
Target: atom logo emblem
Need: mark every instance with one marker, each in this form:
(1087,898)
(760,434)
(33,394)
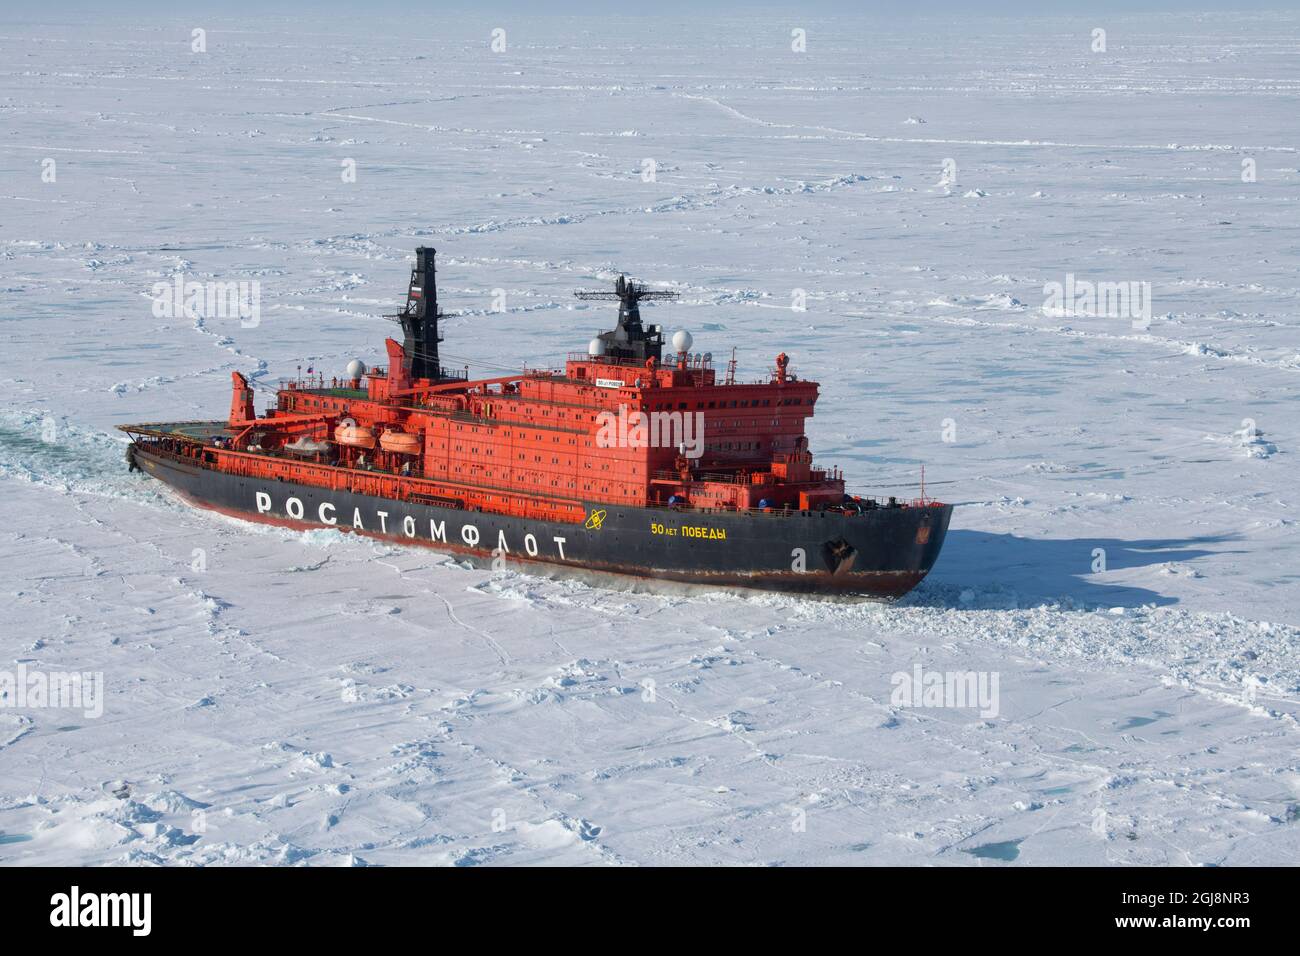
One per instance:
(595,520)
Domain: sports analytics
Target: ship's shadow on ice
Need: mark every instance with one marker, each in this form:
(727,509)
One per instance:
(979,569)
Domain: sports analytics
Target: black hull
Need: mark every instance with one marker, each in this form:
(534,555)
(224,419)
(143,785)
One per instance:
(884,552)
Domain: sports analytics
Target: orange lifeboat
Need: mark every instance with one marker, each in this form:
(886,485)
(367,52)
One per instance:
(358,436)
(399,442)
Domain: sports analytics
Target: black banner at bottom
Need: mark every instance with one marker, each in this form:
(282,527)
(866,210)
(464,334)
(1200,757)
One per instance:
(303,905)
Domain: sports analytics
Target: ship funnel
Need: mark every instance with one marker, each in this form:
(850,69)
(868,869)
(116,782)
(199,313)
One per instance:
(420,319)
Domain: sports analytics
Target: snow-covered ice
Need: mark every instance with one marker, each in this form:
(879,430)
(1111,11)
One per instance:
(1123,560)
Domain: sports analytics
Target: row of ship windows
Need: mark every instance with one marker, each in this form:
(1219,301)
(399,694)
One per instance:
(733,446)
(555,439)
(334,405)
(528,409)
(320,403)
(568,462)
(708,446)
(734,403)
(537,436)
(540,481)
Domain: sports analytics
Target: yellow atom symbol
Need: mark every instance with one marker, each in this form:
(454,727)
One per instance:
(595,520)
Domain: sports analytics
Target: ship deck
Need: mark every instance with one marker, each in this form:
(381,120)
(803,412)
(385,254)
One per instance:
(202,432)
(357,394)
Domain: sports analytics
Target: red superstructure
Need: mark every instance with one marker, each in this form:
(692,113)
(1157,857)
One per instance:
(539,444)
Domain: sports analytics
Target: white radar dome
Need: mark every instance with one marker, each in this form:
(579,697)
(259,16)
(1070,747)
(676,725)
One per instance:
(596,347)
(356,368)
(682,341)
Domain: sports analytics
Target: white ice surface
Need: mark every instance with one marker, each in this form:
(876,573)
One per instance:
(327,700)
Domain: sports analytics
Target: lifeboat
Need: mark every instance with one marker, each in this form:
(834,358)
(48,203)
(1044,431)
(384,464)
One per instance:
(357,436)
(307,446)
(399,442)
